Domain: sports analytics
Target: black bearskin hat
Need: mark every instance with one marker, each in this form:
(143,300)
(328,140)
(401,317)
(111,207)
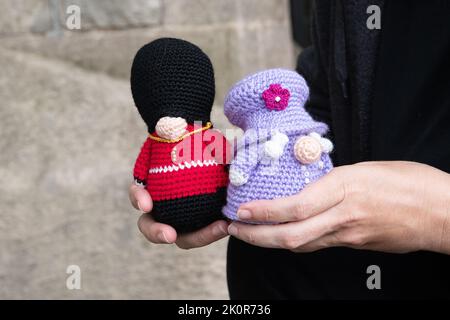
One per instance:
(172,77)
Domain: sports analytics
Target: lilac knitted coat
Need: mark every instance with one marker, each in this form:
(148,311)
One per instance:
(282,149)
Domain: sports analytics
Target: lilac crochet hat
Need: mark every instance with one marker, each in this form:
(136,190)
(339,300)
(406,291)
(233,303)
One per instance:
(282,149)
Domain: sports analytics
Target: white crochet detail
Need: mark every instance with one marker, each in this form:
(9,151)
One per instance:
(170,127)
(237,178)
(327,145)
(275,146)
(182,166)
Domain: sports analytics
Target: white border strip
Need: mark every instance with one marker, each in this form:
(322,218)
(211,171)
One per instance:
(185,165)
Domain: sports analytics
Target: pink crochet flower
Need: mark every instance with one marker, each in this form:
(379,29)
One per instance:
(276,97)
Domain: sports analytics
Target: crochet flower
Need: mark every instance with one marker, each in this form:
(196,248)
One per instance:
(276,97)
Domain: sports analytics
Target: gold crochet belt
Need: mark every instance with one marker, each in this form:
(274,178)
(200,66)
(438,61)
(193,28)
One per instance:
(208,125)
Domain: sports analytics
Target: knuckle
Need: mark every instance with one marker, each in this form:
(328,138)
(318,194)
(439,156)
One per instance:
(290,243)
(338,172)
(345,216)
(250,238)
(354,239)
(300,210)
(349,218)
(267,214)
(201,238)
(346,186)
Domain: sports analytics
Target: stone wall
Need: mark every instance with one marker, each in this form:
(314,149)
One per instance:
(69,136)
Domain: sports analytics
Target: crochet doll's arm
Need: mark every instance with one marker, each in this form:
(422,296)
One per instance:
(243,165)
(255,147)
(142,164)
(273,149)
(247,157)
(325,143)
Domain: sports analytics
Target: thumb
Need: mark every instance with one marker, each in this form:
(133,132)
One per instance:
(140,198)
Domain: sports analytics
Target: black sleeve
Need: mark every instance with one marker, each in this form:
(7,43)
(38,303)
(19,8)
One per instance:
(318,103)
(310,64)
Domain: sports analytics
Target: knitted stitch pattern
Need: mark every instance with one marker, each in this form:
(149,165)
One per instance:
(266,165)
(167,175)
(186,179)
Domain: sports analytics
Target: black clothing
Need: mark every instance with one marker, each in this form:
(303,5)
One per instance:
(385,96)
(411,114)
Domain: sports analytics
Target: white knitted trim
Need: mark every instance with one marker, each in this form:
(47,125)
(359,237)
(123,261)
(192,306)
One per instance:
(182,166)
(237,178)
(326,144)
(275,146)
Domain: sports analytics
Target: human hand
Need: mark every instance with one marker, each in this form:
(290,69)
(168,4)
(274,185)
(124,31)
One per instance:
(162,233)
(385,206)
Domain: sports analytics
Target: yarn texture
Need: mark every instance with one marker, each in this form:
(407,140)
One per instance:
(182,162)
(270,161)
(172,77)
(171,128)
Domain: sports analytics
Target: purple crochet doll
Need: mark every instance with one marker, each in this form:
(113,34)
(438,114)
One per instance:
(282,149)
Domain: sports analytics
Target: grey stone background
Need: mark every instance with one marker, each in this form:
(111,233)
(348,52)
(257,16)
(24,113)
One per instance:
(69,135)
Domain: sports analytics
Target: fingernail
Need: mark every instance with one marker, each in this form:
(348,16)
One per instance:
(139,206)
(162,237)
(244,214)
(232,230)
(219,231)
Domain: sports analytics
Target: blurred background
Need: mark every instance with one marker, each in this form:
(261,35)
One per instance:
(69,135)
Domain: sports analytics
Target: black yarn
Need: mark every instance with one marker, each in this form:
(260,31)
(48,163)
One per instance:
(190,213)
(172,77)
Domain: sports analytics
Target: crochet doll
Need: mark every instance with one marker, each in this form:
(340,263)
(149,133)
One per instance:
(182,162)
(282,149)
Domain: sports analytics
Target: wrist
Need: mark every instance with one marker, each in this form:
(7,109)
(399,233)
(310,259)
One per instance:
(441,233)
(438,225)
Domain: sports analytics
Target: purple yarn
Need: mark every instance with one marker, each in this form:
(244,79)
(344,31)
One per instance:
(246,108)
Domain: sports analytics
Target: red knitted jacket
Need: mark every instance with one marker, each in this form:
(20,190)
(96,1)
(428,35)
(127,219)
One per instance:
(193,166)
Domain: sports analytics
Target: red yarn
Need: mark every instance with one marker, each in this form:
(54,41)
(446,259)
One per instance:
(143,161)
(205,178)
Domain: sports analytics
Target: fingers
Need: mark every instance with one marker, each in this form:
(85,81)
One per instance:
(326,241)
(317,197)
(156,232)
(203,237)
(289,235)
(140,198)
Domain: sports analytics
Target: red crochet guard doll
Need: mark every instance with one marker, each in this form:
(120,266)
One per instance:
(183,161)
